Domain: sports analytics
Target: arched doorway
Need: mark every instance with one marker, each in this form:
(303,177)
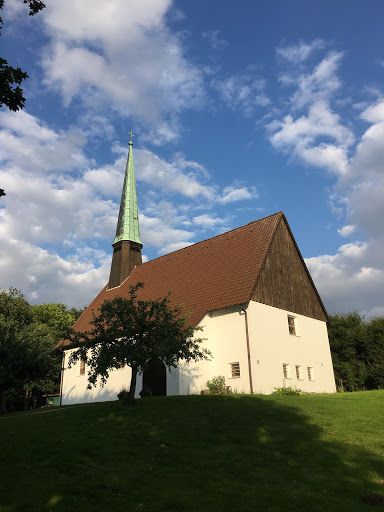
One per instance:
(154,377)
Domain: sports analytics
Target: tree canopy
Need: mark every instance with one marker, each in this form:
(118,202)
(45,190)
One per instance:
(357,349)
(132,331)
(28,335)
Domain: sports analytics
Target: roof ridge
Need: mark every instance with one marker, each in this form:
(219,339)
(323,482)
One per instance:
(281,213)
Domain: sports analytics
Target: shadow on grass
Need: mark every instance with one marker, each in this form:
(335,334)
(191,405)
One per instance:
(210,453)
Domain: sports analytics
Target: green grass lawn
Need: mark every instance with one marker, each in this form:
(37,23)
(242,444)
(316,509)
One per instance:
(197,453)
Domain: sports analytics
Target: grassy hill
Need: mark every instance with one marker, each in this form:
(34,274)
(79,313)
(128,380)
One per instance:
(197,453)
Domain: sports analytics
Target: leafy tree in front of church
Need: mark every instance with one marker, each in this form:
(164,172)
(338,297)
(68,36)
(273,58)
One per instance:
(131,331)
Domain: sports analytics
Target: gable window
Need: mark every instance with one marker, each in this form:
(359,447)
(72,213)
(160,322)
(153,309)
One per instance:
(291,325)
(286,372)
(82,367)
(235,369)
(298,373)
(310,373)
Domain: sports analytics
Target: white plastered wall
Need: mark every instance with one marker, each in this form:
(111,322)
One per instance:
(271,346)
(74,386)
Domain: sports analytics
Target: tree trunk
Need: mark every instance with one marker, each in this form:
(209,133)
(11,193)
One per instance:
(26,399)
(132,388)
(3,403)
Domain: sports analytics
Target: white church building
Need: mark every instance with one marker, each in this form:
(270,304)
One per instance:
(262,317)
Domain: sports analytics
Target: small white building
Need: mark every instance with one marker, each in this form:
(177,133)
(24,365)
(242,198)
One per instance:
(249,289)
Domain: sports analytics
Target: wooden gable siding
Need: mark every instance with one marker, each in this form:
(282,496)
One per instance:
(284,281)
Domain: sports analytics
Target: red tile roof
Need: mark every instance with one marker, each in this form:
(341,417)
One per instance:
(210,275)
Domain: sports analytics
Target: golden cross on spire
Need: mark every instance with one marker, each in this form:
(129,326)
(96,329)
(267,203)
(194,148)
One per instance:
(131,134)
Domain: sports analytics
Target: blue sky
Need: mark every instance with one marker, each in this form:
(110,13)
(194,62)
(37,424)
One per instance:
(239,111)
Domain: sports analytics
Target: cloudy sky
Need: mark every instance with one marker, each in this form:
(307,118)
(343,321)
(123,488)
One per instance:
(240,110)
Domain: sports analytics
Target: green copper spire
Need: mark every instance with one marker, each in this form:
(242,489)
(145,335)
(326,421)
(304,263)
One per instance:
(128,223)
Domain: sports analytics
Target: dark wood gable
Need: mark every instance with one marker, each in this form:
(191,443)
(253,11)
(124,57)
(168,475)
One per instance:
(284,281)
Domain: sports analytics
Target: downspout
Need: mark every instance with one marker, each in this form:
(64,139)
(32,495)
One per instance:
(248,349)
(62,377)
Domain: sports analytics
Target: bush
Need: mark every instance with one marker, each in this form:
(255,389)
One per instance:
(375,379)
(145,392)
(123,395)
(217,385)
(287,391)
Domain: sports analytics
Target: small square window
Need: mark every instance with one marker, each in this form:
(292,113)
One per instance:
(286,372)
(310,373)
(82,367)
(291,325)
(298,373)
(235,369)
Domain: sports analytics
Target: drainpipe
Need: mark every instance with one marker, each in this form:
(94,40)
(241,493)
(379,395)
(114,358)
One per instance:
(62,377)
(248,349)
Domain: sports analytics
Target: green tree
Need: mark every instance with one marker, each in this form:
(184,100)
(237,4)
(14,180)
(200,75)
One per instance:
(133,331)
(357,349)
(28,334)
(26,357)
(57,317)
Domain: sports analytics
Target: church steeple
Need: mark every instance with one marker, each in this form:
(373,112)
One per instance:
(127,243)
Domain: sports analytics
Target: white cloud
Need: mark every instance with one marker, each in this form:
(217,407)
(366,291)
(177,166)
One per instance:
(24,138)
(374,113)
(304,137)
(156,232)
(317,85)
(242,92)
(164,132)
(348,280)
(178,176)
(208,221)
(301,51)
(44,276)
(121,55)
(347,230)
(234,193)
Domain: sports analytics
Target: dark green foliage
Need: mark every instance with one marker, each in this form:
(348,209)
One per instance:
(287,391)
(216,385)
(357,349)
(123,395)
(10,95)
(133,331)
(28,334)
(145,392)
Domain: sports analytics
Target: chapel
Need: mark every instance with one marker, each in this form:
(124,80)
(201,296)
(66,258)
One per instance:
(262,317)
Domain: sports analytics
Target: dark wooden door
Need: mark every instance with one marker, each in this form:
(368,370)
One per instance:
(155,378)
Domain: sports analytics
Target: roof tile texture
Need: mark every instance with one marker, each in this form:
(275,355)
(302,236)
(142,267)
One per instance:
(212,274)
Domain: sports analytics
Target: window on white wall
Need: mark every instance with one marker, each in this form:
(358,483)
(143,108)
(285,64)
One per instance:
(298,373)
(235,369)
(292,325)
(82,367)
(310,373)
(286,372)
